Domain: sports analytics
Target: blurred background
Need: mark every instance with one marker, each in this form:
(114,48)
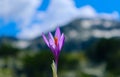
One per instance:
(92,37)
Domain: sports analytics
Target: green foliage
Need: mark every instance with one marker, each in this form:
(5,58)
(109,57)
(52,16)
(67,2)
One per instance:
(8,50)
(38,65)
(113,64)
(106,50)
(81,74)
(67,62)
(103,50)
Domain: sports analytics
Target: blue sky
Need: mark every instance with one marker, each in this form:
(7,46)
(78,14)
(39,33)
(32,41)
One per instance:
(8,29)
(21,22)
(100,5)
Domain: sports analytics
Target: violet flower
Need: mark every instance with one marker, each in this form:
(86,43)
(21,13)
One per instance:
(55,43)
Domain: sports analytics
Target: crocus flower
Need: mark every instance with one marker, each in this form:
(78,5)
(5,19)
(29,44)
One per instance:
(55,43)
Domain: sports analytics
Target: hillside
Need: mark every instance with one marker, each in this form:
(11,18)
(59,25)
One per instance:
(79,34)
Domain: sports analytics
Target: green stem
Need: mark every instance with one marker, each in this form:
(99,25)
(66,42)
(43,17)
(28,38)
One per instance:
(54,69)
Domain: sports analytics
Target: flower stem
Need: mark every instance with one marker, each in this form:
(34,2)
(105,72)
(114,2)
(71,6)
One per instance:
(54,69)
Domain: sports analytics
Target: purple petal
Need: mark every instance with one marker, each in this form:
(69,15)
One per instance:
(58,33)
(45,39)
(61,41)
(53,50)
(51,40)
(50,37)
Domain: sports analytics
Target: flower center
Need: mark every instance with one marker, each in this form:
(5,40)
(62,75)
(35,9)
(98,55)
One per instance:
(56,40)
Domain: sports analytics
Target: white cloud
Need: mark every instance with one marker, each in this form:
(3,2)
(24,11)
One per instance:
(113,15)
(20,11)
(59,12)
(87,12)
(30,32)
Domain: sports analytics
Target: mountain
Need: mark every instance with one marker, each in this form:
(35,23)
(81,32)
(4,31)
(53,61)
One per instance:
(7,40)
(79,34)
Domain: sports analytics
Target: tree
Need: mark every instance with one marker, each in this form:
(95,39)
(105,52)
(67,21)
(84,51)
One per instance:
(106,50)
(8,50)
